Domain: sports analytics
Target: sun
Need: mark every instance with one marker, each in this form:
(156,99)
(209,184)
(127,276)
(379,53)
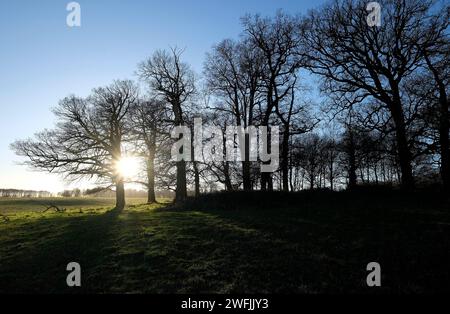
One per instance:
(128,167)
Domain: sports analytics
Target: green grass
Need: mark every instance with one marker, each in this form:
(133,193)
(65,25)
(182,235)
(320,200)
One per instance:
(13,205)
(304,243)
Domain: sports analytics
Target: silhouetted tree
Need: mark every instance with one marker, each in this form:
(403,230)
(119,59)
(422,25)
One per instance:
(173,81)
(87,139)
(435,48)
(146,122)
(295,119)
(277,39)
(358,61)
(233,72)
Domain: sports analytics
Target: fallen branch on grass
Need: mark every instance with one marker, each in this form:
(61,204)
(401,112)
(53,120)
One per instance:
(56,208)
(4,218)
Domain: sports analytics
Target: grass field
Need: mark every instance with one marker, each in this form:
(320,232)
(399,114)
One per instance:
(14,205)
(230,243)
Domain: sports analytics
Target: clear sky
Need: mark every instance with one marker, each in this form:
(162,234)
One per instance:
(43,60)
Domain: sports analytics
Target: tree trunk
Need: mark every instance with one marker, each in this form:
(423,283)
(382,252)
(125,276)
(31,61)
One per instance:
(443,138)
(196,179)
(151,197)
(246,175)
(120,195)
(404,154)
(444,125)
(331,176)
(351,162)
(285,160)
(312,177)
(263,181)
(291,184)
(246,165)
(269,181)
(228,185)
(181,189)
(361,172)
(375,172)
(266,177)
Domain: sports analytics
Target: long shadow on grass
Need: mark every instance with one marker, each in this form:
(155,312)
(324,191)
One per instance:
(309,247)
(333,236)
(199,252)
(35,252)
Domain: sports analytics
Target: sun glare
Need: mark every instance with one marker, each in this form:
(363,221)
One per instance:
(128,166)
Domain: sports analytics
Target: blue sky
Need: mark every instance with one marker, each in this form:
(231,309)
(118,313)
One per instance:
(43,60)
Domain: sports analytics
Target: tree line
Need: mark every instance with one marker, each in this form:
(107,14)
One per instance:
(354,103)
(17,193)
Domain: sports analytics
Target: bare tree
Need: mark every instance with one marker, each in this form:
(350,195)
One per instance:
(435,48)
(87,139)
(358,61)
(173,81)
(307,153)
(233,74)
(295,119)
(277,40)
(146,120)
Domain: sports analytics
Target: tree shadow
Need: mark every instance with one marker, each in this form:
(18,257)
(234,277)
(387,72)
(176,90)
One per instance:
(312,246)
(35,252)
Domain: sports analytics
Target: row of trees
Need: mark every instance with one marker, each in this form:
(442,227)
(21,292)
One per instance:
(385,88)
(362,158)
(376,70)
(95,192)
(15,193)
(108,193)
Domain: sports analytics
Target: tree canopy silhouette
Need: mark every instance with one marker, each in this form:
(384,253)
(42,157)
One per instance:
(87,139)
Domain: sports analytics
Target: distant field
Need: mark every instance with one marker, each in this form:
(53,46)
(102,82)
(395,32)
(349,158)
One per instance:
(232,243)
(11,205)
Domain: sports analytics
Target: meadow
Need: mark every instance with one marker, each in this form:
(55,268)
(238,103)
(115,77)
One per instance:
(308,242)
(20,205)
